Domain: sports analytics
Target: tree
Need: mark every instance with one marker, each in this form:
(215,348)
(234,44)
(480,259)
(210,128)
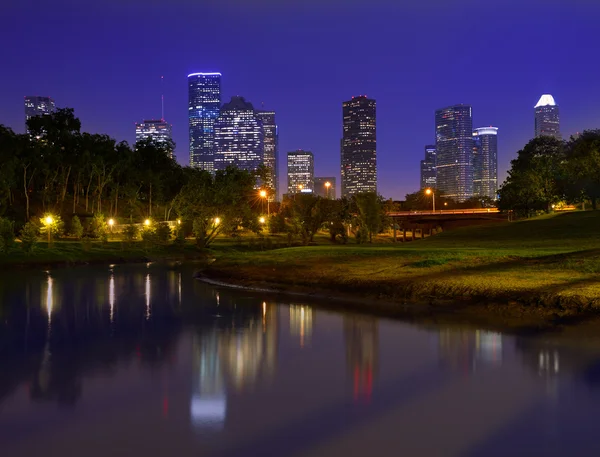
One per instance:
(583,167)
(76,228)
(370,212)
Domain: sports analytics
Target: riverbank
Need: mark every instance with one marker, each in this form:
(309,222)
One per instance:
(544,268)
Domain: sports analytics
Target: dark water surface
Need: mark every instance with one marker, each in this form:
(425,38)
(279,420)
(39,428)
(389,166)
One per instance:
(146,361)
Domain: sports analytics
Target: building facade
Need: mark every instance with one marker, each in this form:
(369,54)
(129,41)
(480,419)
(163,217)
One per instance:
(485,162)
(158,131)
(204,101)
(325,187)
(300,171)
(547,118)
(359,146)
(270,150)
(238,136)
(37,106)
(428,168)
(454,151)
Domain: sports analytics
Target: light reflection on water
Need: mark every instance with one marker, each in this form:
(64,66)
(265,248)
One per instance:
(151,351)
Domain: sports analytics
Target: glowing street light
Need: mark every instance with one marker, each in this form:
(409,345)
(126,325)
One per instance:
(48,221)
(430,192)
(263,194)
(262,220)
(217,220)
(178,221)
(111,222)
(327,186)
(147,222)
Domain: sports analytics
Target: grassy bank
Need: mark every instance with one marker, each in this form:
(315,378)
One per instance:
(548,265)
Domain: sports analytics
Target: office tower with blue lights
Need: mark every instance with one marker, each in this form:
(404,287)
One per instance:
(158,131)
(238,136)
(485,162)
(37,106)
(300,171)
(359,146)
(454,151)
(547,118)
(428,170)
(204,101)
(270,150)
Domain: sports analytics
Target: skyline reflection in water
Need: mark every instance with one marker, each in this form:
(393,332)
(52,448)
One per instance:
(213,372)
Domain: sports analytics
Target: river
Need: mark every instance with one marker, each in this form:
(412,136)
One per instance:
(144,360)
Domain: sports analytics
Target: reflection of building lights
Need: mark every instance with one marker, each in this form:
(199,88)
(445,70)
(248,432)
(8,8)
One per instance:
(111,296)
(301,322)
(548,362)
(148,312)
(208,411)
(179,288)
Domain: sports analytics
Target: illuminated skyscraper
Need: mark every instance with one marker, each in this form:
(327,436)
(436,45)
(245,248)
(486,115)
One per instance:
(547,119)
(428,170)
(325,187)
(301,171)
(37,106)
(485,162)
(238,136)
(204,101)
(359,146)
(270,149)
(157,130)
(454,151)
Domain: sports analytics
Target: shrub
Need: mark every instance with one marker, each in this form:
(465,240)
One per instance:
(29,237)
(149,236)
(76,228)
(57,227)
(130,233)
(7,234)
(276,224)
(163,233)
(98,228)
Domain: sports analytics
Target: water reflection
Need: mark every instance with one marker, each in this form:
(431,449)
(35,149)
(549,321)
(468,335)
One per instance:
(468,350)
(361,335)
(301,323)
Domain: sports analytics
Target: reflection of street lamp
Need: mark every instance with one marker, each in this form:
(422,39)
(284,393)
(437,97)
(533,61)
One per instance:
(430,192)
(48,222)
(327,186)
(263,194)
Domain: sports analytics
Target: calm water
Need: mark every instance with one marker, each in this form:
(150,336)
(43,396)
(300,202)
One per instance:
(145,361)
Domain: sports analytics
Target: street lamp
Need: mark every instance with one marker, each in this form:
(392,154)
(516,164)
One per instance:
(327,186)
(111,222)
(430,192)
(217,220)
(263,194)
(147,222)
(49,221)
(261,220)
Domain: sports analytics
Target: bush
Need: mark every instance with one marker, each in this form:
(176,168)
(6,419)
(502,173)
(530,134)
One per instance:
(7,234)
(57,227)
(76,228)
(130,233)
(98,228)
(29,237)
(163,233)
(362,235)
(149,236)
(276,224)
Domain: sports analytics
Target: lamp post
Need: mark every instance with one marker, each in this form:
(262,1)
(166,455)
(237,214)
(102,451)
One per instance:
(111,222)
(430,192)
(327,186)
(263,194)
(49,221)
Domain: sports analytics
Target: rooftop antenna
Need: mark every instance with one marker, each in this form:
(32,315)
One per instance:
(162,98)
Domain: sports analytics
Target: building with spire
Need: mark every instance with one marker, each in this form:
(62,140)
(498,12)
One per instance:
(547,118)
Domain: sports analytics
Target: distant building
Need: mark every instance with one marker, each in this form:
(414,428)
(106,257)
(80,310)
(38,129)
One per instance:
(204,101)
(325,187)
(428,170)
(238,136)
(37,106)
(547,119)
(301,171)
(270,149)
(359,146)
(454,151)
(157,130)
(485,162)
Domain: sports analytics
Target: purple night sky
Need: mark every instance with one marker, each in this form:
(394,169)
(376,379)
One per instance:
(302,58)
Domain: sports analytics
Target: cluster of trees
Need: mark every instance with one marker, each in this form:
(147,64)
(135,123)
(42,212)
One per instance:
(548,171)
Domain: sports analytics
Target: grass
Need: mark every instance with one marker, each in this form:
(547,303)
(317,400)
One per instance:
(548,264)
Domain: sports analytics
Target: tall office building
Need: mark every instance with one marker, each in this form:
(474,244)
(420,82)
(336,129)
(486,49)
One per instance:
(454,151)
(325,187)
(238,136)
(359,146)
(37,106)
(485,162)
(156,129)
(204,101)
(301,171)
(428,170)
(547,119)
(270,149)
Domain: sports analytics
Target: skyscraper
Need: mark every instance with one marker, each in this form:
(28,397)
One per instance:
(454,151)
(428,170)
(325,187)
(238,136)
(157,130)
(547,119)
(485,162)
(359,146)
(301,171)
(38,106)
(270,149)
(204,101)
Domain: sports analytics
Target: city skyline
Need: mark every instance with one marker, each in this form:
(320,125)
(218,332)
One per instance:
(300,171)
(158,130)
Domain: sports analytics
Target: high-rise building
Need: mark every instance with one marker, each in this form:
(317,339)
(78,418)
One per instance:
(485,162)
(547,119)
(238,136)
(359,146)
(204,101)
(158,131)
(301,171)
(325,187)
(454,151)
(428,170)
(37,106)
(270,150)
